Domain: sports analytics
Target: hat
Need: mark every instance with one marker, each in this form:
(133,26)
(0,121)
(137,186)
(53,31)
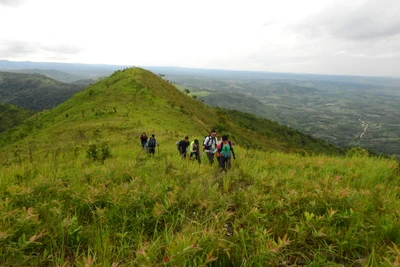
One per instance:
(224,138)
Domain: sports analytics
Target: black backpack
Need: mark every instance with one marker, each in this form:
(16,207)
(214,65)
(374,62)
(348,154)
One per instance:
(152,142)
(209,143)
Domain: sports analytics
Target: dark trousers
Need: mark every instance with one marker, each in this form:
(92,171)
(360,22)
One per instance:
(225,163)
(183,154)
(195,156)
(210,157)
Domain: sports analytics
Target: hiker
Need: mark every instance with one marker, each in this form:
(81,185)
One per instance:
(225,149)
(182,146)
(143,140)
(195,150)
(210,145)
(217,154)
(151,144)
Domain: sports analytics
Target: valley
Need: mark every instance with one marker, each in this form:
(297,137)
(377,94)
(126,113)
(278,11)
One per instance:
(325,109)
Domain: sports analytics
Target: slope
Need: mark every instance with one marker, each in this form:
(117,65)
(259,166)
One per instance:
(11,116)
(34,91)
(135,100)
(63,205)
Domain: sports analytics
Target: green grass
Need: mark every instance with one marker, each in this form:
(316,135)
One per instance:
(78,190)
(270,208)
(11,116)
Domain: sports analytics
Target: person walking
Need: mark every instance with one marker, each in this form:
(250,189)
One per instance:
(217,154)
(143,140)
(210,145)
(195,150)
(183,145)
(151,144)
(226,151)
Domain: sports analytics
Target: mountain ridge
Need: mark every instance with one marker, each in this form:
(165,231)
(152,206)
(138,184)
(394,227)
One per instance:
(133,100)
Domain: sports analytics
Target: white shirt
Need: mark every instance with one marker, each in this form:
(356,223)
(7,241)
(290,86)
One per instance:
(212,143)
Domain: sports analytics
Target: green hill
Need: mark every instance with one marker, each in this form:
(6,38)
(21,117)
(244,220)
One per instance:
(34,91)
(77,189)
(11,116)
(135,100)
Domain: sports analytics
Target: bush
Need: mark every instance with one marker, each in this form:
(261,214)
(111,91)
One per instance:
(97,152)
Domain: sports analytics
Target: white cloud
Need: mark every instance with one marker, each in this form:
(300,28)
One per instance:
(311,36)
(11,3)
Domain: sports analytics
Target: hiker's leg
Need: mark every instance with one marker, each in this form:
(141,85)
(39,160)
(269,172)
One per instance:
(210,157)
(221,163)
(228,163)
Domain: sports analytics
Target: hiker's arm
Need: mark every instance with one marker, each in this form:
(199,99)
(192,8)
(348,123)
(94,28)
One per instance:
(233,153)
(219,147)
(205,142)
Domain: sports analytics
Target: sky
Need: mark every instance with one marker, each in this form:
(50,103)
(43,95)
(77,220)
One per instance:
(357,37)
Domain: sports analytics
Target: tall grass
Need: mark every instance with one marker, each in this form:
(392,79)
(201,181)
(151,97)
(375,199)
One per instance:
(62,208)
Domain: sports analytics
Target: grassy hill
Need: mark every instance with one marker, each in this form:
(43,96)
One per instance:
(11,116)
(78,190)
(131,101)
(34,91)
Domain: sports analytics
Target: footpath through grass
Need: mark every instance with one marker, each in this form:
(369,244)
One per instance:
(271,209)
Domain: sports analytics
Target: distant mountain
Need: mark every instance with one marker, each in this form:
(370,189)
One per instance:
(101,70)
(85,71)
(57,75)
(34,91)
(176,72)
(136,100)
(11,116)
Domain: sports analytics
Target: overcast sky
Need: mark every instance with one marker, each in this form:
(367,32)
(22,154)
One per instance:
(357,37)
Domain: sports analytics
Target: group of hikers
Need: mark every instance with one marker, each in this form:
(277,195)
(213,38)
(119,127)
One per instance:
(221,149)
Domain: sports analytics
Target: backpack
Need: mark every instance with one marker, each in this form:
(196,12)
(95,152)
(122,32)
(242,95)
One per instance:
(152,142)
(209,143)
(194,147)
(178,144)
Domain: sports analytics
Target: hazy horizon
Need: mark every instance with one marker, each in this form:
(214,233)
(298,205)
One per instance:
(330,37)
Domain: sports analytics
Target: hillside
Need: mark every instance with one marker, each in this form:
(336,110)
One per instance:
(135,100)
(77,189)
(11,116)
(34,91)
